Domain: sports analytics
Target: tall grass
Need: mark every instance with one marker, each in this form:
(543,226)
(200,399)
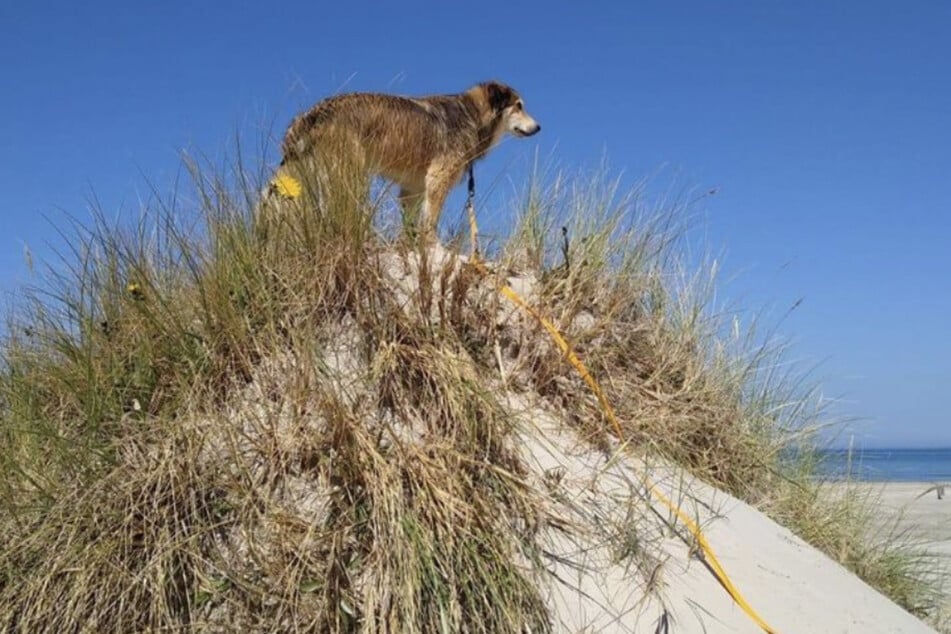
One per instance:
(257,414)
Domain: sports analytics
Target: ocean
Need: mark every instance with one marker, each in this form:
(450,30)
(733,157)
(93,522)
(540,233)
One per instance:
(888,465)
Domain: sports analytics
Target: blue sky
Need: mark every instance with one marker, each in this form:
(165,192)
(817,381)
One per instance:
(826,126)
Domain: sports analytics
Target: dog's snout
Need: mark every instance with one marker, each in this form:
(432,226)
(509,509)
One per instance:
(527,127)
(531,130)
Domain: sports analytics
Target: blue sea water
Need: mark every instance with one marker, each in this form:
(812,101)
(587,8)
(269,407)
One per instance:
(880,465)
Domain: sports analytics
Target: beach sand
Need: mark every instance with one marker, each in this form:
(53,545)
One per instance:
(925,518)
(909,511)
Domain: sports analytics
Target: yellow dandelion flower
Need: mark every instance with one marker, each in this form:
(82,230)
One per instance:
(287,186)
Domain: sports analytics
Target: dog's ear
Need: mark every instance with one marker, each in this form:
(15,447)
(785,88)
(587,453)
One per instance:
(498,95)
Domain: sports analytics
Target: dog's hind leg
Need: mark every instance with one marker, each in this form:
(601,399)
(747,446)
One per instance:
(411,198)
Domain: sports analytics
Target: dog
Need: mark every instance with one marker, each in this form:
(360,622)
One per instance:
(423,144)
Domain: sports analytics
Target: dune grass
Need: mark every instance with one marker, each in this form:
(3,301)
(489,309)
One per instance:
(256,415)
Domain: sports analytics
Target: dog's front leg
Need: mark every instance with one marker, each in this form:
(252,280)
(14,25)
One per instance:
(438,184)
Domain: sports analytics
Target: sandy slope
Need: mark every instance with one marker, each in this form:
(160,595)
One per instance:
(794,587)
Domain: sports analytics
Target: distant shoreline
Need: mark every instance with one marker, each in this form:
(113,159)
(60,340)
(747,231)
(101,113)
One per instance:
(857,450)
(885,465)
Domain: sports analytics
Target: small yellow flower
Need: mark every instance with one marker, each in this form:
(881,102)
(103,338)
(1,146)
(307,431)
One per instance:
(287,186)
(134,290)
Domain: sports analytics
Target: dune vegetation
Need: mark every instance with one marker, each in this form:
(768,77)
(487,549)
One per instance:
(241,415)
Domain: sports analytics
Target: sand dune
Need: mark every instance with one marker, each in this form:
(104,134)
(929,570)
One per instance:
(790,584)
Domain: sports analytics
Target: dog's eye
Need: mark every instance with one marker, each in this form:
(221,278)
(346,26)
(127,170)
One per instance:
(518,106)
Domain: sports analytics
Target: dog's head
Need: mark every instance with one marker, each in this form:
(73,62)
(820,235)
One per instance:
(506,108)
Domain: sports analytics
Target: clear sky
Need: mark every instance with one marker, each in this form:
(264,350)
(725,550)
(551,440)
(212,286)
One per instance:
(826,126)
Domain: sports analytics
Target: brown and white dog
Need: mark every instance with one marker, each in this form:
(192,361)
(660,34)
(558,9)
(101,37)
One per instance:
(423,144)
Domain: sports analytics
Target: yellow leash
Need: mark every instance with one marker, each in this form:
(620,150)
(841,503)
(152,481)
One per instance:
(709,557)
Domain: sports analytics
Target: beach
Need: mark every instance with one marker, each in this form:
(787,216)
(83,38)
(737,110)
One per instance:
(925,518)
(911,512)
(907,510)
